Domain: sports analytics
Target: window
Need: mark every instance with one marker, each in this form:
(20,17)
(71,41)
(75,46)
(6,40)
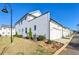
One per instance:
(25,30)
(34,27)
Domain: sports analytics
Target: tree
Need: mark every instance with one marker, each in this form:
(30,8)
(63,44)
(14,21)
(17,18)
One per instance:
(30,33)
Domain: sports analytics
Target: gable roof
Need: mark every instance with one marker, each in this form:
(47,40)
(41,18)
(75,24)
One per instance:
(30,13)
(6,26)
(51,20)
(21,18)
(27,15)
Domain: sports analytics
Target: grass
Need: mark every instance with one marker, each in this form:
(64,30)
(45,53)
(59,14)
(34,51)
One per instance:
(21,46)
(3,43)
(40,50)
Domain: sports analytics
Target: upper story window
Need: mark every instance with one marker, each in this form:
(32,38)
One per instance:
(34,27)
(29,17)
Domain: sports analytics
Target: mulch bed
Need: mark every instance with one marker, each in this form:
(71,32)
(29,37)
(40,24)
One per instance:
(50,48)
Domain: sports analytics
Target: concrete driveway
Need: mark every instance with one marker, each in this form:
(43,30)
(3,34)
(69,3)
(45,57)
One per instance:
(73,47)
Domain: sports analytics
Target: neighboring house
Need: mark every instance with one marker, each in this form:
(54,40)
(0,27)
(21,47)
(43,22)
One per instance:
(5,30)
(58,31)
(41,24)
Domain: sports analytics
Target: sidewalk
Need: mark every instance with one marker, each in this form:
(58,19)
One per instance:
(65,42)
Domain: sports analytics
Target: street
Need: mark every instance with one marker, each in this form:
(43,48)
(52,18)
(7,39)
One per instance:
(73,47)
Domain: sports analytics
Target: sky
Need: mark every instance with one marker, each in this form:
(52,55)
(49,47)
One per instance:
(66,14)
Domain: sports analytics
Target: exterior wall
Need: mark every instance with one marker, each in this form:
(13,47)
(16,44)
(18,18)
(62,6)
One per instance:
(18,29)
(50,29)
(55,31)
(6,31)
(42,26)
(66,32)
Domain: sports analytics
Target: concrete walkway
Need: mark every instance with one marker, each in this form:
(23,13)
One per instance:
(65,41)
(73,47)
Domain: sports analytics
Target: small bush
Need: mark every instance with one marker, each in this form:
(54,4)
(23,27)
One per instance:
(30,33)
(0,35)
(40,38)
(27,37)
(17,35)
(20,36)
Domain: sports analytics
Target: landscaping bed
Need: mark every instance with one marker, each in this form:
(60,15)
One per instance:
(44,48)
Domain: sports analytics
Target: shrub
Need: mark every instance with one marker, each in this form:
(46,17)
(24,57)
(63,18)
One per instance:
(40,38)
(0,35)
(16,34)
(30,33)
(20,36)
(27,37)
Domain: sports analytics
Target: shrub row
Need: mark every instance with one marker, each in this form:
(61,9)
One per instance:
(20,36)
(39,38)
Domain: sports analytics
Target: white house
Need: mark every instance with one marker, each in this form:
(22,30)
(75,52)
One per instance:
(58,31)
(41,24)
(5,30)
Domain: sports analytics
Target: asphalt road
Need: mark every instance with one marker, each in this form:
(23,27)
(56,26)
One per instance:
(73,47)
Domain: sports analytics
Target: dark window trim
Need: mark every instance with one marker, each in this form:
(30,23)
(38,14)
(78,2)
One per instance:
(25,30)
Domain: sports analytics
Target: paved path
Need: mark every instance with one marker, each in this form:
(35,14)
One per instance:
(73,47)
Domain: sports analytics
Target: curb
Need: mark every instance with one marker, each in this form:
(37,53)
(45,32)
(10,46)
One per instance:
(62,48)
